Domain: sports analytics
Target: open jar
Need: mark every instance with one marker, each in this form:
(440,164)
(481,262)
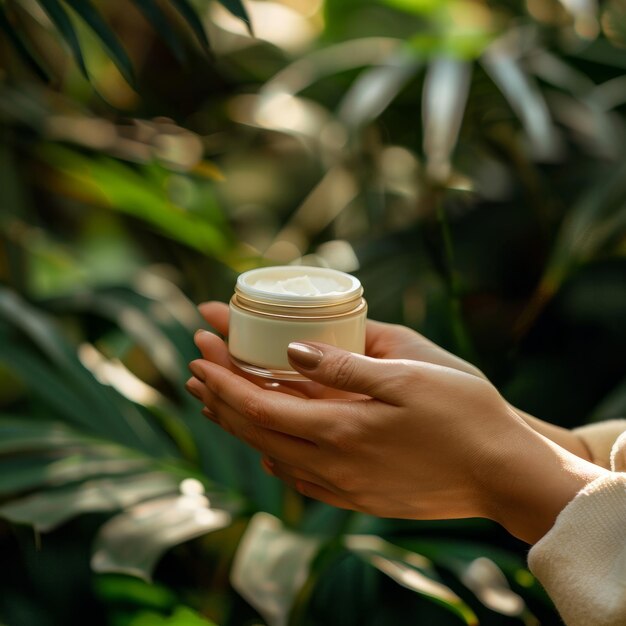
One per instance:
(273,306)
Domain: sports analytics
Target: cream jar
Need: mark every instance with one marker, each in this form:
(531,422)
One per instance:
(273,306)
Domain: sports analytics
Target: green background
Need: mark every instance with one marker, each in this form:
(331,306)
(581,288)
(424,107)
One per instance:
(464,158)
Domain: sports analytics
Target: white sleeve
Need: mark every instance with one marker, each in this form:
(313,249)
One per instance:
(581,561)
(600,438)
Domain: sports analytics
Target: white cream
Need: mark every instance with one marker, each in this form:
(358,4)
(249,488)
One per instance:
(274,306)
(302,285)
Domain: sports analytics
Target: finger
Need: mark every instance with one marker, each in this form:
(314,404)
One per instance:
(284,470)
(215,350)
(195,388)
(392,341)
(308,488)
(210,415)
(216,314)
(301,417)
(348,371)
(316,492)
(383,340)
(284,448)
(212,348)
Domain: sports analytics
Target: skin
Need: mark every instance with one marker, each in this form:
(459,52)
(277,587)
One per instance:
(408,431)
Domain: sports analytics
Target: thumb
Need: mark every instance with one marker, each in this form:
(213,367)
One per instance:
(340,369)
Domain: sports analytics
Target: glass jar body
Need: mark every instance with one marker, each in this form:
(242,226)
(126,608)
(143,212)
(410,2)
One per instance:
(262,325)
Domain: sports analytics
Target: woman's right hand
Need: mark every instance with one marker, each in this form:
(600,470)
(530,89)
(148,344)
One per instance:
(383,341)
(423,441)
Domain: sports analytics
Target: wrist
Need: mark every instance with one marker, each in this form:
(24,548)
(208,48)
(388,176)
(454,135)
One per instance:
(531,481)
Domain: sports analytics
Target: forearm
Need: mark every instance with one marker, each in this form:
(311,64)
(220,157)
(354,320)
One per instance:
(561,436)
(532,481)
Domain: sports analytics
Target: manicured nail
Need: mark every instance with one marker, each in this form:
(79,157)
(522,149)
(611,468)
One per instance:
(197,371)
(267,466)
(210,415)
(199,333)
(193,391)
(306,357)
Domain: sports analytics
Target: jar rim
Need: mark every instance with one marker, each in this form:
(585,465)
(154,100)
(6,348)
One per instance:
(351,285)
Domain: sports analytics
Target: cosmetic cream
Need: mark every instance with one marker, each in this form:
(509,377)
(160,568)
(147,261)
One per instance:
(273,306)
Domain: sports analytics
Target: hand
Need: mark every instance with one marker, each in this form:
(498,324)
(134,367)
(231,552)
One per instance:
(383,341)
(424,441)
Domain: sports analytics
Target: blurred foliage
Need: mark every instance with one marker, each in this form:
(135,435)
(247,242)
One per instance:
(472,151)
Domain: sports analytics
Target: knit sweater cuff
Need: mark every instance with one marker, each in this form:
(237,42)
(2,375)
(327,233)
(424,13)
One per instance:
(581,561)
(600,438)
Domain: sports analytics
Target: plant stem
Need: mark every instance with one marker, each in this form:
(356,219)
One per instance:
(459,331)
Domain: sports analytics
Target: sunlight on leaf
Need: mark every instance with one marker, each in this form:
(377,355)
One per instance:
(271,565)
(48,509)
(238,9)
(94,20)
(135,540)
(376,87)
(63,23)
(108,182)
(491,587)
(443,105)
(614,22)
(501,63)
(410,570)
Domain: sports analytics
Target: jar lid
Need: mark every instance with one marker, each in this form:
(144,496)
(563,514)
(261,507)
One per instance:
(299,286)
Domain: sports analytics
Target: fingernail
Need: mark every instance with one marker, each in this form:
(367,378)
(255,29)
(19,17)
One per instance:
(200,332)
(307,357)
(193,391)
(197,371)
(267,467)
(210,415)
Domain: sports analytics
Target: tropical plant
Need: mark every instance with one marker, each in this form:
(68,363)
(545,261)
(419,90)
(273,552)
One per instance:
(500,218)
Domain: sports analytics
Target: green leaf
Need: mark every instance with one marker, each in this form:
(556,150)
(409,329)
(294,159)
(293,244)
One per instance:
(69,386)
(237,8)
(20,435)
(376,87)
(182,616)
(134,541)
(270,551)
(94,20)
(410,570)
(121,187)
(191,17)
(155,15)
(115,589)
(525,98)
(485,570)
(48,509)
(417,7)
(63,23)
(597,217)
(22,45)
(51,387)
(446,88)
(26,472)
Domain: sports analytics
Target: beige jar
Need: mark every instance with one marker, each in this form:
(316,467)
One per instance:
(274,306)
